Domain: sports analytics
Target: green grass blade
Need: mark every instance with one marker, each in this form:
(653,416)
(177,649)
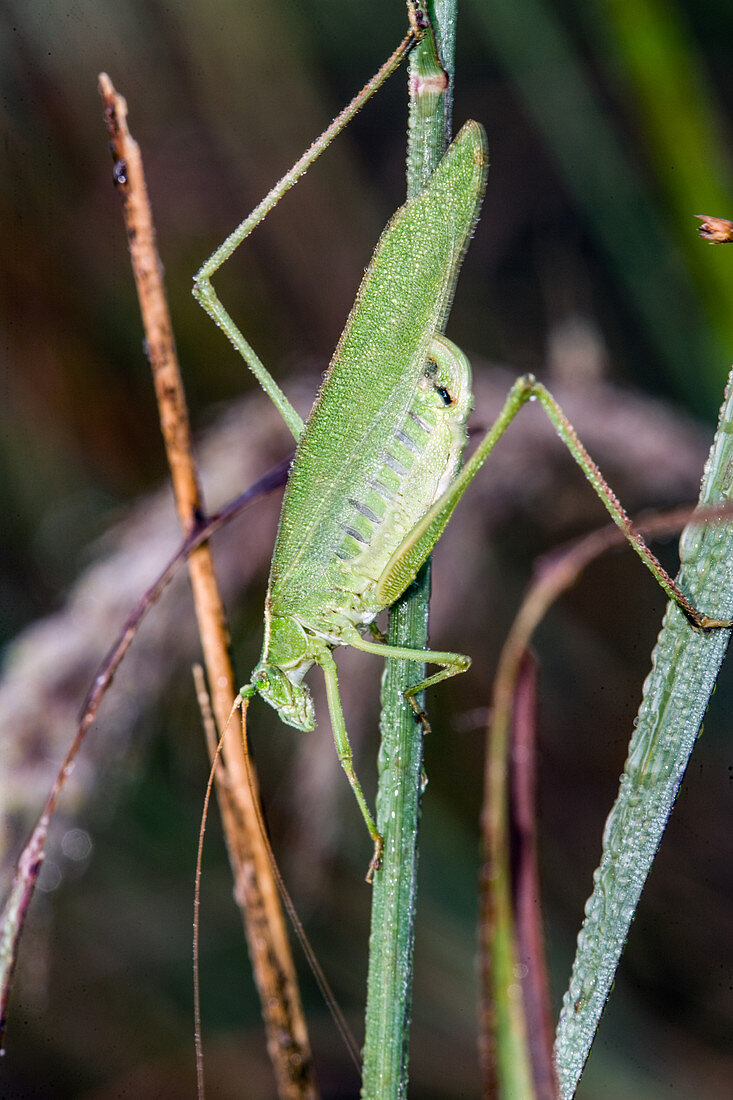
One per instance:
(682,131)
(389,990)
(553,80)
(395,887)
(685,664)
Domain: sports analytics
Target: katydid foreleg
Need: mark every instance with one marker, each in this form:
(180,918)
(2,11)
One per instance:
(343,748)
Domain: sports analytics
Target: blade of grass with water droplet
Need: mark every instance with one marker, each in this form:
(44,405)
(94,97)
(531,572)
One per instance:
(685,664)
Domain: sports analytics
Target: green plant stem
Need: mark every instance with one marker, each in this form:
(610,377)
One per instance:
(685,664)
(401,779)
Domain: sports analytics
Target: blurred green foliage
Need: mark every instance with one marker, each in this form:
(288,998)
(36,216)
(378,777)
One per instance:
(609,128)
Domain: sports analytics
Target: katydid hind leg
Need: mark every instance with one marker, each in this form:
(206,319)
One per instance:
(203,289)
(618,514)
(416,546)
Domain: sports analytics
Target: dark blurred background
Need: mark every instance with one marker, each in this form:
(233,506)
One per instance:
(608,127)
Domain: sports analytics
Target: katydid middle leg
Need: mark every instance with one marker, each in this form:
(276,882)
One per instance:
(452,664)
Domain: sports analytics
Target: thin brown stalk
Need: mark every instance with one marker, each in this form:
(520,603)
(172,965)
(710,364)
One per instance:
(255,888)
(526,883)
(504,1019)
(210,735)
(25,878)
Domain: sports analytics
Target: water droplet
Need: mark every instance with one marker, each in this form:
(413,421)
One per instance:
(50,877)
(76,844)
(690,543)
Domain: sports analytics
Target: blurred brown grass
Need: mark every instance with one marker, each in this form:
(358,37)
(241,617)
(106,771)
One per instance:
(222,98)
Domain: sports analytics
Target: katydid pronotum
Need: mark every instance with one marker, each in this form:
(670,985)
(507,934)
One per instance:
(377,470)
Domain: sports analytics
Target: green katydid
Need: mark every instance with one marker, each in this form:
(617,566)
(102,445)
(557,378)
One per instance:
(377,471)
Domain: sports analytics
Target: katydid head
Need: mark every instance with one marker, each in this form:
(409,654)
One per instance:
(278,677)
(291,700)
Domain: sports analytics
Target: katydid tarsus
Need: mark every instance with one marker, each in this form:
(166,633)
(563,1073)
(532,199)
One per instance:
(377,471)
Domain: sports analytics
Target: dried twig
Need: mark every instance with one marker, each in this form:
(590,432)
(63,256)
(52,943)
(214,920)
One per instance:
(25,878)
(255,887)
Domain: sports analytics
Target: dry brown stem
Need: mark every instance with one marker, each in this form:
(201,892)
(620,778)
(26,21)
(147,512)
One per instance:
(255,888)
(502,899)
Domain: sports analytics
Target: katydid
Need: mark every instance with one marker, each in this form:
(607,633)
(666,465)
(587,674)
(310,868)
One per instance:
(377,469)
